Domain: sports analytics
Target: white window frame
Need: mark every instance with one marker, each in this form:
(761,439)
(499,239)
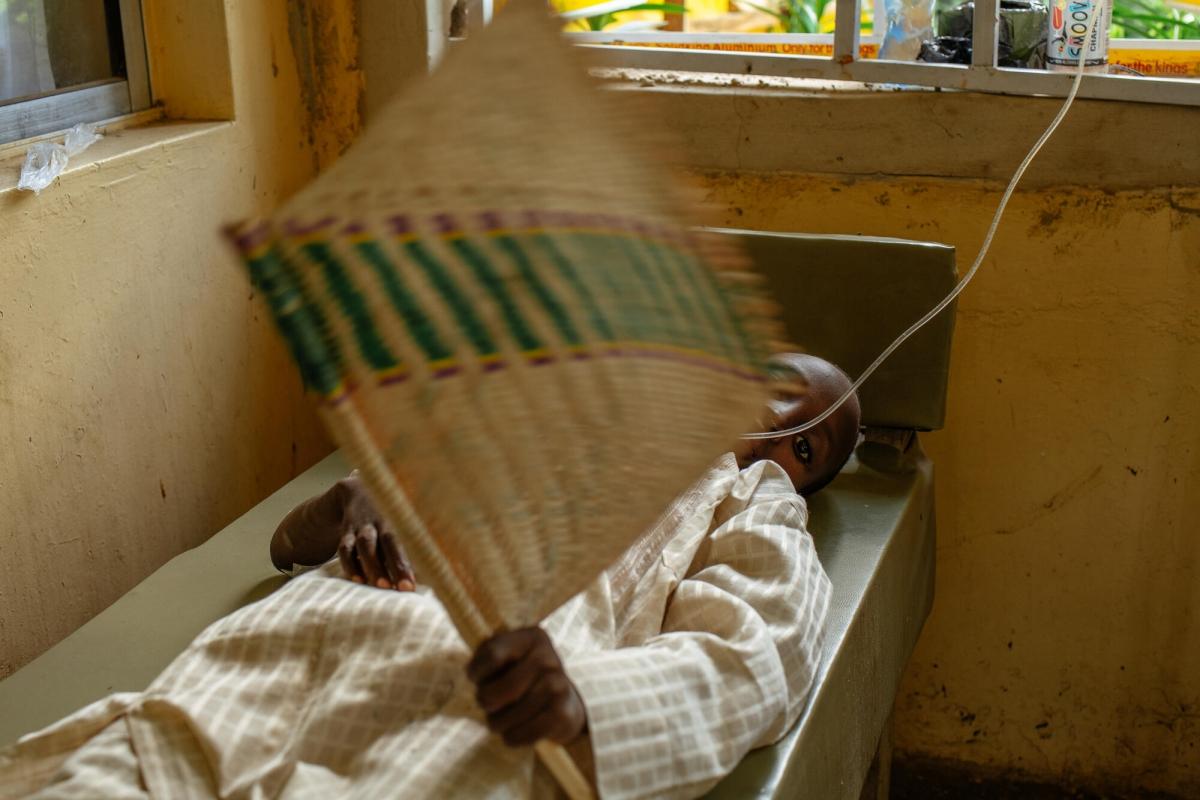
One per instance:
(982,75)
(22,119)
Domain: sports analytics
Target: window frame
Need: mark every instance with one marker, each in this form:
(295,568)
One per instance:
(982,75)
(91,102)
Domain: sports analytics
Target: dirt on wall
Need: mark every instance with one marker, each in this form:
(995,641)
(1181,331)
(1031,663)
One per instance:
(1063,643)
(324,42)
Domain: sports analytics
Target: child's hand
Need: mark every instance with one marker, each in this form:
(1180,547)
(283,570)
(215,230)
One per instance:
(372,555)
(344,521)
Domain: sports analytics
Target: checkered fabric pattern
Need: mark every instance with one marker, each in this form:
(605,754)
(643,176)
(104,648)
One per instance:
(698,645)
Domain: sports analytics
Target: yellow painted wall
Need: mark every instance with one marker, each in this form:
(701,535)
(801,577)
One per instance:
(144,398)
(1064,641)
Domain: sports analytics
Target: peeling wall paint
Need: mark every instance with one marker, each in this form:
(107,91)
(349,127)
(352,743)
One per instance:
(145,400)
(324,44)
(1064,641)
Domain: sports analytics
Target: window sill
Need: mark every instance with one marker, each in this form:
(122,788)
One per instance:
(742,123)
(124,138)
(630,78)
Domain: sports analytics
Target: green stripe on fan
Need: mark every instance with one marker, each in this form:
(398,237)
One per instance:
(299,321)
(702,289)
(571,275)
(487,277)
(551,304)
(354,306)
(661,305)
(603,259)
(702,336)
(744,349)
(419,325)
(460,306)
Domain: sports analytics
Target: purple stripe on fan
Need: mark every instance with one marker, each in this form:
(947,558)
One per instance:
(682,358)
(247,240)
(341,395)
(400,224)
(296,228)
(445,224)
(490,221)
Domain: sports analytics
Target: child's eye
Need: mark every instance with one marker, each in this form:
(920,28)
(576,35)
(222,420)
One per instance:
(802,450)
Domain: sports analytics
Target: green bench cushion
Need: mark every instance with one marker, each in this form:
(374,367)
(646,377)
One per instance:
(874,532)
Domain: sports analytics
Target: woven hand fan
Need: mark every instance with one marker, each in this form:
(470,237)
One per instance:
(507,328)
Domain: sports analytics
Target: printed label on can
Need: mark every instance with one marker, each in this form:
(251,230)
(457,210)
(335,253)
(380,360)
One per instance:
(1068,21)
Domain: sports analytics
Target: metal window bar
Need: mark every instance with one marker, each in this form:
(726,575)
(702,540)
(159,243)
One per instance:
(846,31)
(985,33)
(137,65)
(22,119)
(982,75)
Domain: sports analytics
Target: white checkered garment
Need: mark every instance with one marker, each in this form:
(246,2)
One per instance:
(700,644)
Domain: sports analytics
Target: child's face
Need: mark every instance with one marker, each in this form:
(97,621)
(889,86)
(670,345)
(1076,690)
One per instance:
(810,457)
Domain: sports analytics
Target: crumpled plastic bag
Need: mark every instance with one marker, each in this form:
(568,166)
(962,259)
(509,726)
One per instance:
(45,161)
(1022,35)
(957,50)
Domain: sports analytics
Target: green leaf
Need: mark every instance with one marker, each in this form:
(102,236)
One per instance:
(1168,22)
(601,21)
(666,8)
(1146,6)
(811,21)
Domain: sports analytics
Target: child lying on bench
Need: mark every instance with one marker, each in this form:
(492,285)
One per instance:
(698,645)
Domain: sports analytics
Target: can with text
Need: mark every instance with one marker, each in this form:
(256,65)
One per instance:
(1068,21)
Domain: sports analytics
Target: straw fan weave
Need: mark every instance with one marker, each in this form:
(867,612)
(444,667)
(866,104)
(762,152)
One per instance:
(507,326)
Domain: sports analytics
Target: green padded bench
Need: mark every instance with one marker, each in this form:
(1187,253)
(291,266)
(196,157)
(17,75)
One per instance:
(845,298)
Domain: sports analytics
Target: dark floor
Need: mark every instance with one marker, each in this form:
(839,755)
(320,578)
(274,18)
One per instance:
(935,782)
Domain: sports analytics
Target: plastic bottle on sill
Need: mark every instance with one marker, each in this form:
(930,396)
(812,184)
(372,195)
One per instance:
(1067,26)
(909,22)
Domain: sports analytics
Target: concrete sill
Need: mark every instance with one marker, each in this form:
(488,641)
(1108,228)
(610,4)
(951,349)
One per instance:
(124,138)
(702,81)
(755,124)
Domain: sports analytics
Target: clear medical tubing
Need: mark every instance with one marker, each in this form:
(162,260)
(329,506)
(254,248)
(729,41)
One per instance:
(966,279)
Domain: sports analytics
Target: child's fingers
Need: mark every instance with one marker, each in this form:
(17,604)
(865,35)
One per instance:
(348,559)
(366,547)
(394,561)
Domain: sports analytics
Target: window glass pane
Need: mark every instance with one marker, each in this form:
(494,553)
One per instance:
(47,45)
